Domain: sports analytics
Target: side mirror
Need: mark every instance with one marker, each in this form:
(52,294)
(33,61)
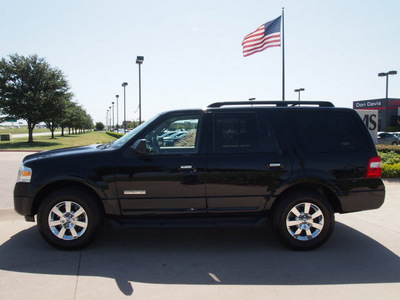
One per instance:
(140,147)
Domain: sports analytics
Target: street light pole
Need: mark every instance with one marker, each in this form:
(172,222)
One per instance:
(386,74)
(252,99)
(298,91)
(124,84)
(139,61)
(110,118)
(117,96)
(113,115)
(107,120)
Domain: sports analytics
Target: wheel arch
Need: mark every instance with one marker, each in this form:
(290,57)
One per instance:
(320,188)
(54,186)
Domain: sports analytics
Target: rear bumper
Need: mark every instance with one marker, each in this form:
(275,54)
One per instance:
(362,200)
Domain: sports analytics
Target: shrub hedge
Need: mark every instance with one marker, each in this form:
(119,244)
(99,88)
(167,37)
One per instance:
(388,148)
(390,171)
(390,160)
(115,134)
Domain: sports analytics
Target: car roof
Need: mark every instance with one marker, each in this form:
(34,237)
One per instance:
(273,103)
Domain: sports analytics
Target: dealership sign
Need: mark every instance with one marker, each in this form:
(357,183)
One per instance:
(368,104)
(370,119)
(378,104)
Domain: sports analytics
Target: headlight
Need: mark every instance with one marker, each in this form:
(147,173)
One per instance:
(24,174)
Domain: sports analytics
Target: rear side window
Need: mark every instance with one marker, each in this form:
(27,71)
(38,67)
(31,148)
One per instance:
(236,132)
(327,131)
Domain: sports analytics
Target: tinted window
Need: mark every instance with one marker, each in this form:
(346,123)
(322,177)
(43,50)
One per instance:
(178,134)
(268,141)
(236,132)
(327,131)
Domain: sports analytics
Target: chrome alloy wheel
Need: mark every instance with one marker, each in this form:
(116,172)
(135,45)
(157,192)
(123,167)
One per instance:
(305,221)
(68,220)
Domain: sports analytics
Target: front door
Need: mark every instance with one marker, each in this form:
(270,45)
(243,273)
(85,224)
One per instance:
(169,178)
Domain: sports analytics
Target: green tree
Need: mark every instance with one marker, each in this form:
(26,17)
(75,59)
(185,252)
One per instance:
(56,112)
(99,126)
(30,89)
(78,120)
(67,116)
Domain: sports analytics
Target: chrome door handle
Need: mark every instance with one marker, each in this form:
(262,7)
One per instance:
(186,167)
(275,165)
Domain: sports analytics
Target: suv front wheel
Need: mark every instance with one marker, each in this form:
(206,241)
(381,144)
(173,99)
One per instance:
(303,220)
(68,218)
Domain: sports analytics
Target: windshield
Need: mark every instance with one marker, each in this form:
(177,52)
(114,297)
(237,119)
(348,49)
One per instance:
(123,140)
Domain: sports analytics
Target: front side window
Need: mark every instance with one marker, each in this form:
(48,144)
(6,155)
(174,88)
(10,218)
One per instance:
(177,134)
(127,137)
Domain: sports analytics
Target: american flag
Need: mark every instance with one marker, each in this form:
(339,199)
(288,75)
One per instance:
(266,36)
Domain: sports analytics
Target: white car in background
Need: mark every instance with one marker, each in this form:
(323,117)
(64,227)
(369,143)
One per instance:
(388,138)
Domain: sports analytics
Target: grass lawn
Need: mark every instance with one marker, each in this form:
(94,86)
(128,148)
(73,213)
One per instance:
(23,129)
(43,143)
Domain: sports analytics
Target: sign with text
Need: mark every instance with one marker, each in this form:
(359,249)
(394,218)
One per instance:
(369,104)
(370,119)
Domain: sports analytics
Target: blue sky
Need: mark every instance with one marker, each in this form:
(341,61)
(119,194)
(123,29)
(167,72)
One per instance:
(193,54)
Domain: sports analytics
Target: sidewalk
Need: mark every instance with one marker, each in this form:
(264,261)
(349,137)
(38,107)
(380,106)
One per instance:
(10,163)
(361,260)
(19,135)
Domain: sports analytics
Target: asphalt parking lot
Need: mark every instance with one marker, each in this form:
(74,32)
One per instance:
(361,260)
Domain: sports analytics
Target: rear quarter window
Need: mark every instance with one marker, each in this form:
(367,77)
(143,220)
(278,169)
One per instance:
(327,131)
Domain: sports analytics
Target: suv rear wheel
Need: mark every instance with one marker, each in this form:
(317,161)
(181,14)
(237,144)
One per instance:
(303,220)
(68,218)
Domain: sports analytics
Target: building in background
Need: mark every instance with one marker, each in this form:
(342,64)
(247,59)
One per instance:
(388,112)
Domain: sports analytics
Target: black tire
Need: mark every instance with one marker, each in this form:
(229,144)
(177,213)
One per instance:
(303,220)
(69,218)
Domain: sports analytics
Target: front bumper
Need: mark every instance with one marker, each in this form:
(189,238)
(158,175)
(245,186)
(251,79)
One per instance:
(23,204)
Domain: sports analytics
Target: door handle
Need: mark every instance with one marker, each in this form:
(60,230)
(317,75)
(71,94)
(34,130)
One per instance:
(187,168)
(275,165)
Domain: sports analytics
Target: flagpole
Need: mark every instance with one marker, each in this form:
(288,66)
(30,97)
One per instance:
(283,54)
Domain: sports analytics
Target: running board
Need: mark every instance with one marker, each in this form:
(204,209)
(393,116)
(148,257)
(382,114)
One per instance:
(187,222)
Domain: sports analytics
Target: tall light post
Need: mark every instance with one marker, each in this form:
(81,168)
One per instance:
(386,74)
(110,117)
(113,115)
(117,96)
(298,91)
(124,84)
(139,61)
(107,120)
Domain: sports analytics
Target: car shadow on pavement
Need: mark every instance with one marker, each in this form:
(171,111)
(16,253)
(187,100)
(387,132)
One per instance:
(231,256)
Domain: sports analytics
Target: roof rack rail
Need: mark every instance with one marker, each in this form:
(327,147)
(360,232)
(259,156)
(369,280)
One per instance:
(276,103)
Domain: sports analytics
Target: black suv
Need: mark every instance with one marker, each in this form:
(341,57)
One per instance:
(233,163)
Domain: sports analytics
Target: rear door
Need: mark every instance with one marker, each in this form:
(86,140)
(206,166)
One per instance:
(244,163)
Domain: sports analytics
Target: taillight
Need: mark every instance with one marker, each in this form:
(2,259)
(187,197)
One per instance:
(374,168)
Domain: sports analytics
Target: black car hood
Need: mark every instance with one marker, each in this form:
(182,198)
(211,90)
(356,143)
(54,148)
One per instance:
(62,152)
